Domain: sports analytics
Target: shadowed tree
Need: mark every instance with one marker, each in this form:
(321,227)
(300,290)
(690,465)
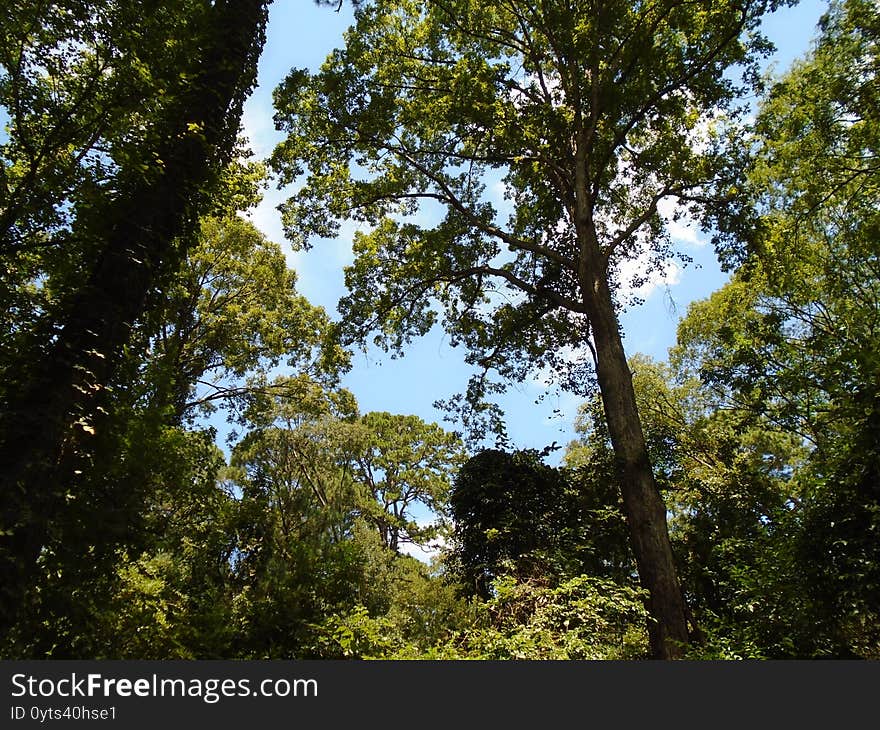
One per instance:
(516,516)
(132,230)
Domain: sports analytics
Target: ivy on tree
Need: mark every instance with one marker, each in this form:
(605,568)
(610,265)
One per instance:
(133,221)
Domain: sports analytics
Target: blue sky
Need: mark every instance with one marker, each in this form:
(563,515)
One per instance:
(301,35)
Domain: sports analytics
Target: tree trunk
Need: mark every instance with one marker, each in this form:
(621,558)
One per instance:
(144,228)
(645,510)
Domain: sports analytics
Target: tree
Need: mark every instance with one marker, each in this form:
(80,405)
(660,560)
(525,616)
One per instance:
(292,456)
(402,462)
(786,474)
(516,516)
(729,478)
(133,229)
(587,113)
(327,500)
(505,510)
(296,560)
(388,463)
(798,341)
(72,77)
(232,312)
(170,592)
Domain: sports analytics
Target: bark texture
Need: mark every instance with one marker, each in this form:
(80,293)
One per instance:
(643,504)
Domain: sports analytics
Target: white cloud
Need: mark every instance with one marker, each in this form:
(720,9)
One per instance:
(258,124)
(634,269)
(427,553)
(682,228)
(266,216)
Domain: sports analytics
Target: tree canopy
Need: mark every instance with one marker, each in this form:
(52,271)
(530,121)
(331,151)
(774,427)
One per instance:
(184,473)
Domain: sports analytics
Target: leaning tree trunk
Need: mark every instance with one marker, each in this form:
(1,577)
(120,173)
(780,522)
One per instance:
(143,229)
(643,504)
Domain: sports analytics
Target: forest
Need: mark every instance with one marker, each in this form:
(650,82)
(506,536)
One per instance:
(722,503)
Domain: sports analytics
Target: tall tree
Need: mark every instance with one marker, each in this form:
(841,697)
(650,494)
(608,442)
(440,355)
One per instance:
(134,229)
(589,114)
(390,464)
(730,479)
(402,462)
(327,502)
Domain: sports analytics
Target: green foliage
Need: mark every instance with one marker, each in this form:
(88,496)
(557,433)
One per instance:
(427,107)
(294,559)
(418,612)
(122,118)
(164,541)
(391,463)
(146,609)
(326,500)
(791,343)
(762,431)
(232,312)
(514,515)
(727,479)
(582,618)
(357,636)
(401,462)
(84,86)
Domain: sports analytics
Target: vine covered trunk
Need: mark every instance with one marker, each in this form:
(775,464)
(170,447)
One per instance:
(143,229)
